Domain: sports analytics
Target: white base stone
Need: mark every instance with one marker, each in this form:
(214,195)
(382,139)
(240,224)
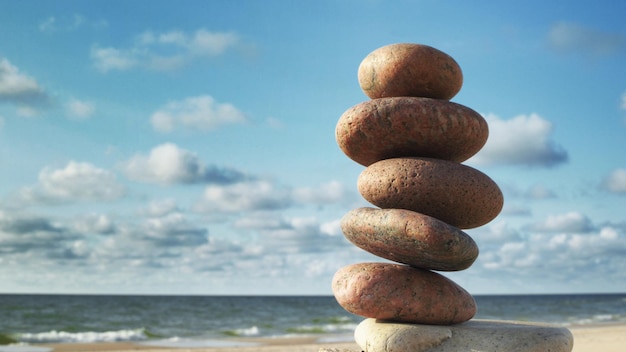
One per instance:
(472,336)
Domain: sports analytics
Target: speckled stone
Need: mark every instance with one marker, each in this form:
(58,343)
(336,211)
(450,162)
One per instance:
(401,293)
(407,69)
(474,335)
(451,192)
(411,238)
(410,127)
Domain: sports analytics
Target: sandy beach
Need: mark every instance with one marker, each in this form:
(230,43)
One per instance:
(605,338)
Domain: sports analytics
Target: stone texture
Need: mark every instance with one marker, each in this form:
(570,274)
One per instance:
(401,293)
(451,192)
(475,335)
(411,238)
(410,127)
(409,70)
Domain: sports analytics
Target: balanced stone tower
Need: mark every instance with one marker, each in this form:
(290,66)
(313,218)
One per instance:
(412,141)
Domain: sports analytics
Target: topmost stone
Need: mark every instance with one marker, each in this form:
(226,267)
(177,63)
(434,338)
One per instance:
(413,70)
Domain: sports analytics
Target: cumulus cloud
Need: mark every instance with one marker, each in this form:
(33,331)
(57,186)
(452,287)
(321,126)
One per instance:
(80,109)
(94,223)
(523,140)
(572,222)
(108,59)
(327,193)
(294,234)
(164,51)
(27,233)
(497,232)
(18,88)
(264,195)
(615,182)
(157,208)
(202,113)
(564,255)
(569,37)
(168,164)
(563,249)
(75,182)
(255,195)
(173,229)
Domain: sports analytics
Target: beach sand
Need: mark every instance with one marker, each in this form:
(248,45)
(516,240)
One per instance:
(605,338)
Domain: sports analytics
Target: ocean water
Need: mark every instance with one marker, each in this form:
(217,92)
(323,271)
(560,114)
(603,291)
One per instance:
(186,321)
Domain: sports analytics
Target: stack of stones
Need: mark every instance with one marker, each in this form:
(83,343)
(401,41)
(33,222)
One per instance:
(412,140)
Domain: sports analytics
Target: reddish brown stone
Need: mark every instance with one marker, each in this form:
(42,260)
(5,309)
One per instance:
(453,193)
(401,293)
(409,70)
(410,238)
(410,127)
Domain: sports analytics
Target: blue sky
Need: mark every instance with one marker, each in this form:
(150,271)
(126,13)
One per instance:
(188,147)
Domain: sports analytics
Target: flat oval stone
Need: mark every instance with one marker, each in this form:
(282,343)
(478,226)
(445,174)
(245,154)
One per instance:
(407,69)
(474,335)
(410,127)
(451,192)
(410,238)
(401,293)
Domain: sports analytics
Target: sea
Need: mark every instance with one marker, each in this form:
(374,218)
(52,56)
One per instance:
(205,321)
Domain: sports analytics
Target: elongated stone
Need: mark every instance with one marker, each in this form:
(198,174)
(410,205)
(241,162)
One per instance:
(474,335)
(401,293)
(453,193)
(410,127)
(411,238)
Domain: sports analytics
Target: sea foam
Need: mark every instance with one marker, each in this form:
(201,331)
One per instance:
(83,337)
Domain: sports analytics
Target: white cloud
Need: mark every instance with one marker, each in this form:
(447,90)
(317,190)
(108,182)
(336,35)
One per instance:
(327,193)
(169,164)
(563,255)
(80,109)
(205,43)
(332,228)
(522,140)
(159,208)
(572,222)
(294,234)
(623,105)
(53,24)
(497,232)
(537,192)
(93,223)
(164,51)
(17,87)
(615,182)
(571,37)
(27,233)
(173,229)
(244,196)
(264,195)
(198,113)
(108,59)
(77,181)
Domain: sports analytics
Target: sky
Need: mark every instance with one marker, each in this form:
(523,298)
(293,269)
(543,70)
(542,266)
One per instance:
(188,147)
